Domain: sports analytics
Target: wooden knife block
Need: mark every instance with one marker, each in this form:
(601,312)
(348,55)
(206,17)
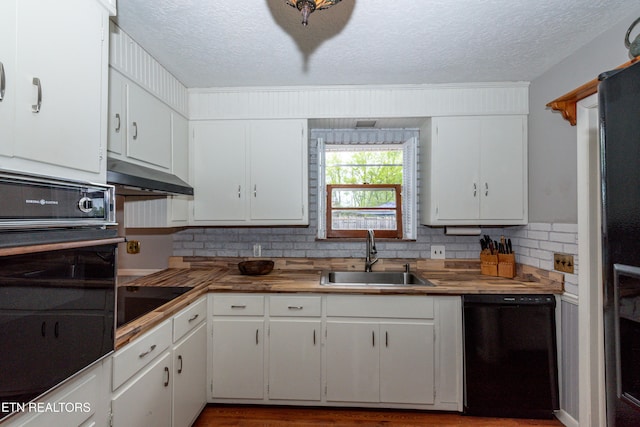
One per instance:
(488,264)
(507,265)
(502,265)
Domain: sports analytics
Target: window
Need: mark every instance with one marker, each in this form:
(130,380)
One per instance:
(353,209)
(365,186)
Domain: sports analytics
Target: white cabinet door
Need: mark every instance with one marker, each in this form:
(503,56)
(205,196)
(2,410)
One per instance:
(62,44)
(294,359)
(189,377)
(149,128)
(407,363)
(7,76)
(456,169)
(277,170)
(238,358)
(353,370)
(146,400)
(219,153)
(503,160)
(117,135)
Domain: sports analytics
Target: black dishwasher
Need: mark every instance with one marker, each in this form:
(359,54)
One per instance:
(510,356)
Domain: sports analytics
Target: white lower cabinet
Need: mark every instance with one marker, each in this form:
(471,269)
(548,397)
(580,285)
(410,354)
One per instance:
(160,378)
(189,363)
(295,330)
(237,347)
(142,380)
(146,399)
(353,368)
(189,379)
(384,357)
(337,350)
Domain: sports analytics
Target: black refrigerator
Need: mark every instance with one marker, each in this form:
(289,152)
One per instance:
(619,110)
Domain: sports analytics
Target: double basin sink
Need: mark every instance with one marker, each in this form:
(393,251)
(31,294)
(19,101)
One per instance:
(376,278)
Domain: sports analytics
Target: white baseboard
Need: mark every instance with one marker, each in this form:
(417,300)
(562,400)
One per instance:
(566,419)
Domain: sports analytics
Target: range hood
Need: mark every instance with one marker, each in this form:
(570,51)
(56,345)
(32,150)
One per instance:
(134,180)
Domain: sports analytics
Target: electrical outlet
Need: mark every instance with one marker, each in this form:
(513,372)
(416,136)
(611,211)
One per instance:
(257,250)
(437,252)
(133,247)
(563,262)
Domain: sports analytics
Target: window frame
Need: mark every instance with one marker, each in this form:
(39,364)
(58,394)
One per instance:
(392,234)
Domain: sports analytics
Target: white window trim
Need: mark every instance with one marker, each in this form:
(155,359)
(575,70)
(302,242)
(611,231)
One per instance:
(409,184)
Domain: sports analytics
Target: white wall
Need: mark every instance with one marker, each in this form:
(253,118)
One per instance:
(552,141)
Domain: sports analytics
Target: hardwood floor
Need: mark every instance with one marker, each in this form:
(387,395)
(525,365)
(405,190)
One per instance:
(278,416)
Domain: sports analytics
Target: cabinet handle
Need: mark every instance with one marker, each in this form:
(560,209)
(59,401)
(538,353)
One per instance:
(386,338)
(255,191)
(475,189)
(166,371)
(43,329)
(240,307)
(192,318)
(3,81)
(486,189)
(373,338)
(135,130)
(257,336)
(56,330)
(118,119)
(35,108)
(314,337)
(295,307)
(180,360)
(141,355)
(239,191)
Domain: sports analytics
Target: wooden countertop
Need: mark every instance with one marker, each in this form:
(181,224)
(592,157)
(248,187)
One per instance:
(449,277)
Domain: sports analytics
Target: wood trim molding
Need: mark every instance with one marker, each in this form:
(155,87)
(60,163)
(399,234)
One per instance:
(566,104)
(21,250)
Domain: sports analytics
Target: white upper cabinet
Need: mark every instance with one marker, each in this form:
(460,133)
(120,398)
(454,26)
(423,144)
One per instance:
(7,77)
(250,172)
(55,57)
(140,128)
(475,171)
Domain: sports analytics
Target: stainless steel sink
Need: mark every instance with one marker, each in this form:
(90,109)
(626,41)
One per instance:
(375,278)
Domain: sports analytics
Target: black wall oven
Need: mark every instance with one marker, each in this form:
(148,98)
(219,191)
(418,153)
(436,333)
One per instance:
(57,283)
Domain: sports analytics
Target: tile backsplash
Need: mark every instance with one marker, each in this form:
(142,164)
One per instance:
(534,244)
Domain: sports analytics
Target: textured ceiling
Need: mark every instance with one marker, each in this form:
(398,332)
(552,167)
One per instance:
(218,43)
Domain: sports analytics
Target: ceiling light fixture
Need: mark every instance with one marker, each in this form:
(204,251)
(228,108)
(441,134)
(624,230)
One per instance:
(307,7)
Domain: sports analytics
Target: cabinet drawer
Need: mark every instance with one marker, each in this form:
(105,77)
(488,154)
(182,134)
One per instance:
(295,306)
(189,318)
(133,357)
(238,305)
(397,306)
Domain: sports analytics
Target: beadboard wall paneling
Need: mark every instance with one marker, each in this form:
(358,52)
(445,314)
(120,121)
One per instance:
(129,58)
(359,101)
(569,354)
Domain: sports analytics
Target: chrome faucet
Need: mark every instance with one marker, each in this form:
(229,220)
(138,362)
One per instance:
(371,250)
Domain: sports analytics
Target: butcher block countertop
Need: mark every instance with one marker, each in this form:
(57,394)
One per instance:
(302,275)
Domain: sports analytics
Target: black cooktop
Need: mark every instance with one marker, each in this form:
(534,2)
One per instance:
(136,301)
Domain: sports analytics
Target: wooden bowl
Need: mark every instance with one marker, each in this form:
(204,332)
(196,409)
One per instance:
(255,268)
